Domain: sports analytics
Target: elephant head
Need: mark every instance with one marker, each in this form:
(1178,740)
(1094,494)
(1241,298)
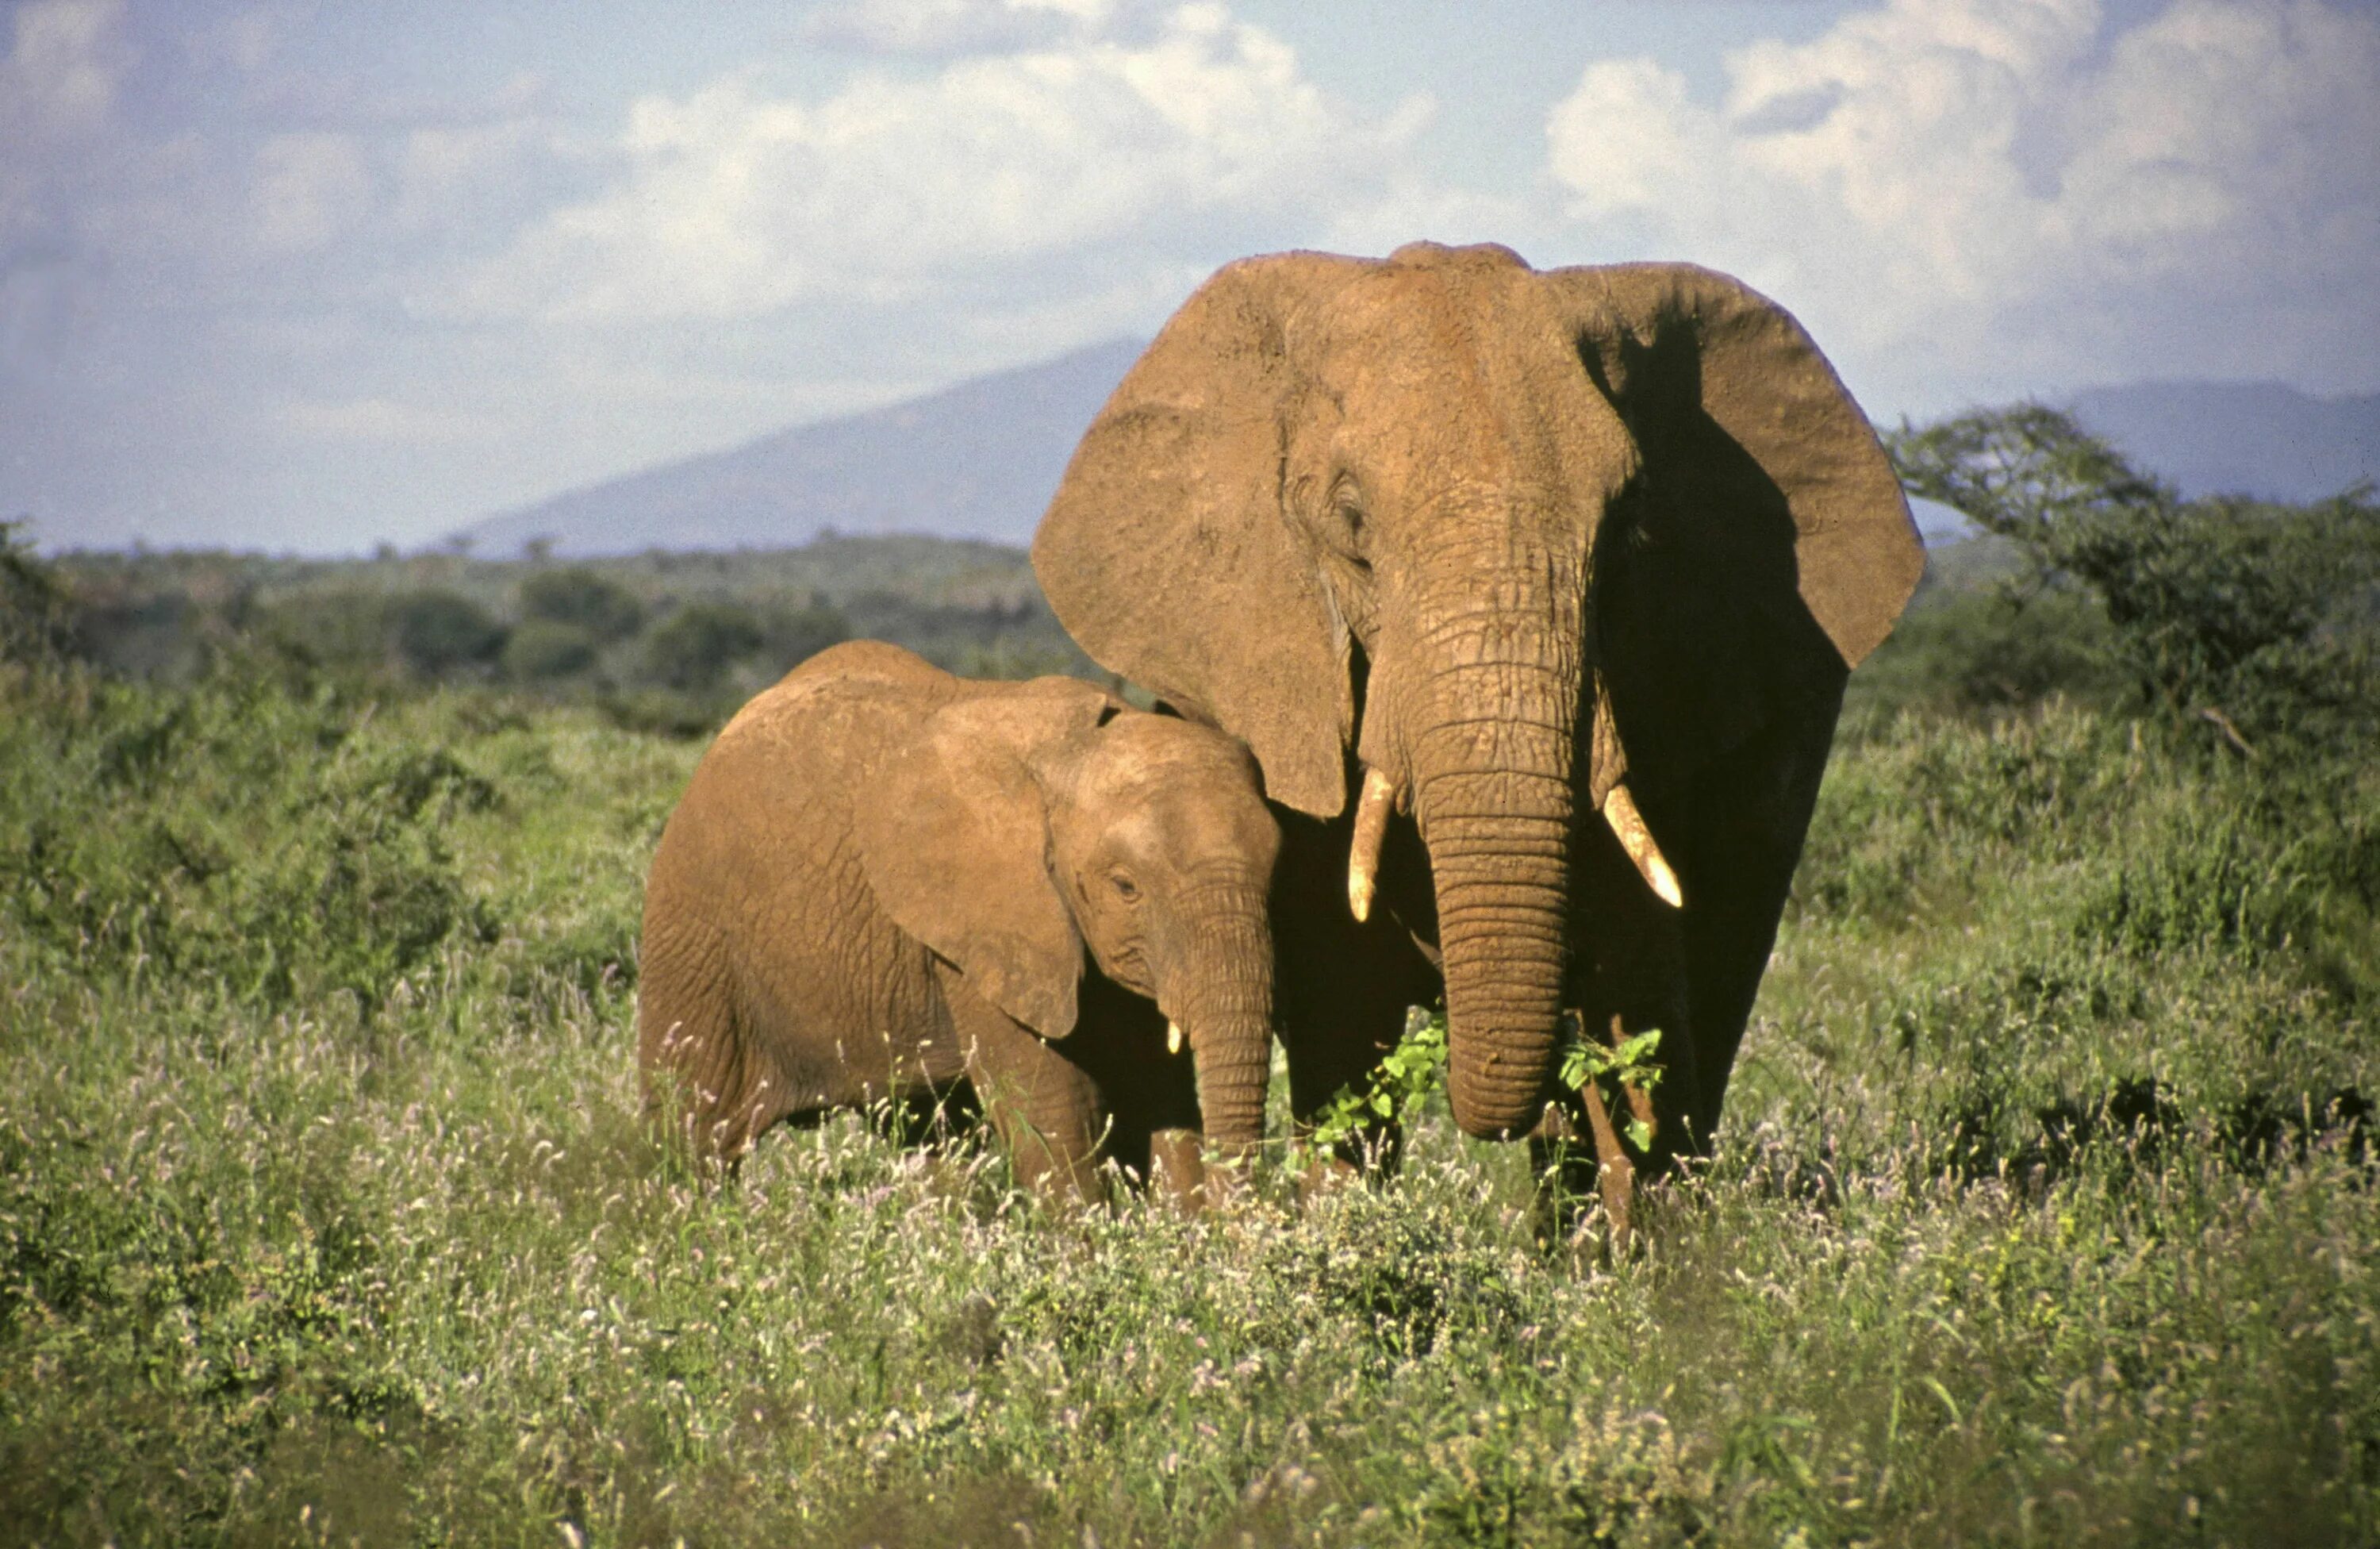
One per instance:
(1025,826)
(1517,543)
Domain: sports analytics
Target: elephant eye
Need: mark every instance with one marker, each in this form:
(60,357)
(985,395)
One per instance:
(1124,887)
(1350,508)
(1347,506)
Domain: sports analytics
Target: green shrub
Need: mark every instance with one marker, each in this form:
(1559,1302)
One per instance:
(235,837)
(582,600)
(342,633)
(2211,879)
(1924,789)
(36,611)
(792,636)
(693,649)
(438,633)
(1979,652)
(2256,620)
(541,651)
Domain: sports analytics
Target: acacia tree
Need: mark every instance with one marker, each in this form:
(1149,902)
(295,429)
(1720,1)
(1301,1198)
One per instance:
(2252,618)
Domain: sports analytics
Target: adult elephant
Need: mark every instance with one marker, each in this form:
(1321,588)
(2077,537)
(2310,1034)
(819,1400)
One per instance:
(1534,594)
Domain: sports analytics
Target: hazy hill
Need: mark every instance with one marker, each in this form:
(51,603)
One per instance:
(977,460)
(2256,438)
(980,459)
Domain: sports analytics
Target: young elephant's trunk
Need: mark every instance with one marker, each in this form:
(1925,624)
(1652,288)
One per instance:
(1220,997)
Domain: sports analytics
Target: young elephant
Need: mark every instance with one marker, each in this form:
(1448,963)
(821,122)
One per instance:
(883,878)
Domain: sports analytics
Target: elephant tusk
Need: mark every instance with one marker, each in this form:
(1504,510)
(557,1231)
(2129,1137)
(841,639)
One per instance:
(1371,826)
(1173,1038)
(1619,812)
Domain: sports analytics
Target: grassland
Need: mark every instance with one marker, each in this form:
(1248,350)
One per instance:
(2043,1216)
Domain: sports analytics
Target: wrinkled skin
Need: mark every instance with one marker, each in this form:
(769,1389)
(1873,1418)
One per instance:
(883,879)
(1507,540)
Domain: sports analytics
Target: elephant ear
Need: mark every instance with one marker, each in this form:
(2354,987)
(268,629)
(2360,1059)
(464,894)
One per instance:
(953,835)
(1167,553)
(1743,419)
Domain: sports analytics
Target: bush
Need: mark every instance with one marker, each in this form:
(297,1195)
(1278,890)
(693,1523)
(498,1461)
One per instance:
(2213,881)
(1982,653)
(2252,620)
(603,610)
(235,839)
(35,611)
(694,647)
(795,635)
(541,651)
(438,632)
(343,632)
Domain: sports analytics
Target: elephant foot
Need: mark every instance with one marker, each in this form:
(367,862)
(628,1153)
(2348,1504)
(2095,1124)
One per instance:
(1177,1167)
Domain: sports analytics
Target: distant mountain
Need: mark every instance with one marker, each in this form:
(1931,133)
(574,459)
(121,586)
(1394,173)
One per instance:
(2256,438)
(981,459)
(978,460)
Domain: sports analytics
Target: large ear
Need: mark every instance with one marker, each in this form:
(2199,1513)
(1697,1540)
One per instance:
(953,835)
(1738,414)
(1166,553)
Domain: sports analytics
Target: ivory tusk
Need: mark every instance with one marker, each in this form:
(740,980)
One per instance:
(1371,824)
(1173,1038)
(1619,812)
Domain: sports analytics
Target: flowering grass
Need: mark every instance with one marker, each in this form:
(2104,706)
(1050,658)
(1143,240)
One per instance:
(2043,1213)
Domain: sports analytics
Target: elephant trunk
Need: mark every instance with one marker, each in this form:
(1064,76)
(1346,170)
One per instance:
(1220,996)
(1493,795)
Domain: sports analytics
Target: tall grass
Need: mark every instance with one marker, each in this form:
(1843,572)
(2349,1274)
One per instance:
(2043,1213)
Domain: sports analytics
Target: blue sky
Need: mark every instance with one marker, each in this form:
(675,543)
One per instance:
(306,277)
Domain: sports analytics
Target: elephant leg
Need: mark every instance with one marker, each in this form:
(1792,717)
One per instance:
(1342,989)
(704,1078)
(1177,1166)
(1741,837)
(1045,1108)
(1147,1090)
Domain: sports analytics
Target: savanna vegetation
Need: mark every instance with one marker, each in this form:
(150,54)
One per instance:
(2046,1211)
(669,643)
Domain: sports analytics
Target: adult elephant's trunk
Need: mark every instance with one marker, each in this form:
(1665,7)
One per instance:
(1492,765)
(1220,997)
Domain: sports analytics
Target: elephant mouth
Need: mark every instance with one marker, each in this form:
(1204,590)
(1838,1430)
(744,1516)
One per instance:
(1380,796)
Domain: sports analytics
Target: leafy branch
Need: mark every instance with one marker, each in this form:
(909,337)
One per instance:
(1410,1072)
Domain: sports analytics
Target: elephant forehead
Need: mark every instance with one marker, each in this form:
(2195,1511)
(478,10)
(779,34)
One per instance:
(1176,789)
(1141,738)
(1472,376)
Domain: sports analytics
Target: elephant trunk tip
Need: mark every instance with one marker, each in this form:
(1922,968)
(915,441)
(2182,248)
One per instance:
(1490,1104)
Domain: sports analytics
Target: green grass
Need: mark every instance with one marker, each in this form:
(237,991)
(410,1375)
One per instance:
(2043,1215)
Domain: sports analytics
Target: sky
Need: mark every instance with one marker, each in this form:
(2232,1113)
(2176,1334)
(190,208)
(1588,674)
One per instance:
(312,278)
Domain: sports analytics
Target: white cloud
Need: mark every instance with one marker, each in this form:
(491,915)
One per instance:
(65,63)
(734,202)
(946,28)
(59,77)
(60,81)
(1961,194)
(309,189)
